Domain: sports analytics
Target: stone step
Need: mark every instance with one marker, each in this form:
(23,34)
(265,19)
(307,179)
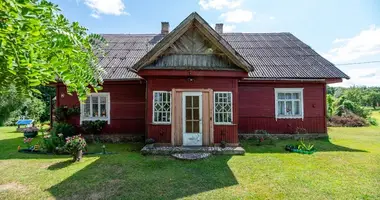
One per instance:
(191,156)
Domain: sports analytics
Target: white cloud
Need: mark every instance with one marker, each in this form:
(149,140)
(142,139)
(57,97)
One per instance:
(106,7)
(366,43)
(228,28)
(219,4)
(272,18)
(368,75)
(237,16)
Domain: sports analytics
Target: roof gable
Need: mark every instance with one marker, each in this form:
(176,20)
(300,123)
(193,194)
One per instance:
(194,38)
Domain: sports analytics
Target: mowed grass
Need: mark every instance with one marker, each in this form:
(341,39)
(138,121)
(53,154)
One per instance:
(347,166)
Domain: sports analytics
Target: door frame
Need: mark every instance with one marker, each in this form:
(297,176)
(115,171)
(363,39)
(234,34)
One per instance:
(200,134)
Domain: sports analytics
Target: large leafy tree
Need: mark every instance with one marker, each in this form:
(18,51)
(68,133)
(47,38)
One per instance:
(39,46)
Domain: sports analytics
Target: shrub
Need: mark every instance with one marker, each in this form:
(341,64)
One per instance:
(63,128)
(93,127)
(63,113)
(348,120)
(372,121)
(150,141)
(265,138)
(223,144)
(51,142)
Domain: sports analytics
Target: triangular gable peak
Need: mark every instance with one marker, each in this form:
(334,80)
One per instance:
(193,45)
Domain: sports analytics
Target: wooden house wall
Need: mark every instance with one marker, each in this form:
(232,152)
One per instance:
(127,106)
(257,108)
(161,133)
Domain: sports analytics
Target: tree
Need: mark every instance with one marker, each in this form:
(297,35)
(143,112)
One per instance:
(38,46)
(373,99)
(9,102)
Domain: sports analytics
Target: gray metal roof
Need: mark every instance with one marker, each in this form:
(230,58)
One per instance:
(273,55)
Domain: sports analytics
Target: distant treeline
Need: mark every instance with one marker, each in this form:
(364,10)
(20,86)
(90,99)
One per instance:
(365,96)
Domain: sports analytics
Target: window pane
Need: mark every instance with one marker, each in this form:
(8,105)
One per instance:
(223,107)
(281,96)
(196,114)
(161,107)
(288,95)
(188,102)
(188,114)
(195,101)
(288,108)
(296,96)
(297,108)
(189,127)
(103,100)
(103,110)
(95,106)
(196,127)
(87,108)
(281,108)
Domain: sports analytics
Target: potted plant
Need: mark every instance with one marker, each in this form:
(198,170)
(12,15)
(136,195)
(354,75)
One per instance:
(75,146)
(30,132)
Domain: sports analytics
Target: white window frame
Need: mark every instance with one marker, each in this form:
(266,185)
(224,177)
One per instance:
(153,102)
(108,107)
(232,110)
(289,90)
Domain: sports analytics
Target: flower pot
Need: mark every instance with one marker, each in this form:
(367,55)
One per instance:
(30,134)
(77,156)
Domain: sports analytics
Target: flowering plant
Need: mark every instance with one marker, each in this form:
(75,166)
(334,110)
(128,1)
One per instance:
(75,146)
(30,130)
(28,141)
(75,143)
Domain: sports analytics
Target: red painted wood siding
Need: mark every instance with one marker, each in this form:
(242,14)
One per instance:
(161,133)
(127,106)
(257,108)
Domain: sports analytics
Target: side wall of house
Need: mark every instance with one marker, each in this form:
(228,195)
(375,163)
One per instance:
(127,106)
(257,108)
(162,133)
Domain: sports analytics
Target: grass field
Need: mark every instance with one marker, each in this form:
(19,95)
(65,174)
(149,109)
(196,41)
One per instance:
(347,166)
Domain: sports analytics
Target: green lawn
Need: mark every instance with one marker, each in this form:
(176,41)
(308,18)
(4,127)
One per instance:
(346,167)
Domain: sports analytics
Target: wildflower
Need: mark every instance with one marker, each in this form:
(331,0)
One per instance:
(60,134)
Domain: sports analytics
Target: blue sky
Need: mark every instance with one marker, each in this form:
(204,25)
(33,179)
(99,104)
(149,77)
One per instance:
(342,31)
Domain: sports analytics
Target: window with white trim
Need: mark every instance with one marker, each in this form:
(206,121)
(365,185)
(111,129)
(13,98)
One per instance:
(223,107)
(162,107)
(96,107)
(289,102)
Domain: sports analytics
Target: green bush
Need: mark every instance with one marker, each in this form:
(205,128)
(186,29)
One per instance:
(51,143)
(93,127)
(67,130)
(372,121)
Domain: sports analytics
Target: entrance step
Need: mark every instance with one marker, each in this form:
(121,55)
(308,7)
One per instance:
(191,156)
(169,150)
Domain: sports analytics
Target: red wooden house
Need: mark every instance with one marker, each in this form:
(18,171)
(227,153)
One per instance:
(200,86)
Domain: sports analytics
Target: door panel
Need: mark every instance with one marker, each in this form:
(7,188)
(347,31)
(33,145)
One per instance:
(192,120)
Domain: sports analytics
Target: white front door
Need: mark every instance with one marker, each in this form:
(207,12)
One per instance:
(192,118)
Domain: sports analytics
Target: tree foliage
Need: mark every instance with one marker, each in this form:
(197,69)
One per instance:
(38,46)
